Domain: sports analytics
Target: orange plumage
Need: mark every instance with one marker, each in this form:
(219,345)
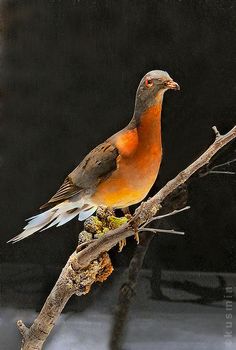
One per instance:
(137,165)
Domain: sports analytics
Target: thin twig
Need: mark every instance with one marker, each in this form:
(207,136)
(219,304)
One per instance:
(174,212)
(221,172)
(217,133)
(224,164)
(157,230)
(22,328)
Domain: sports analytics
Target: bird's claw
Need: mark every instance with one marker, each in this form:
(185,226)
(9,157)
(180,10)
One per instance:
(136,236)
(122,244)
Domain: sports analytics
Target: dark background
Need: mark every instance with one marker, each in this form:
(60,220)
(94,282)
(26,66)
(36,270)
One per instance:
(69,74)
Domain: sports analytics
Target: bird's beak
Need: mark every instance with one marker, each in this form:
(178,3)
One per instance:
(171,84)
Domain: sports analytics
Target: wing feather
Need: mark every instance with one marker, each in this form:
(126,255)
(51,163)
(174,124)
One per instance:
(97,165)
(67,190)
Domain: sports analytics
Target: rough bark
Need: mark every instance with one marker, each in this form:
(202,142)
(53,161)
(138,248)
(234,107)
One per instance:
(69,282)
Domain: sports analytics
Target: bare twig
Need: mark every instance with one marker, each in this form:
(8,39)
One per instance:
(216,131)
(22,328)
(223,164)
(160,230)
(214,169)
(92,263)
(174,212)
(221,172)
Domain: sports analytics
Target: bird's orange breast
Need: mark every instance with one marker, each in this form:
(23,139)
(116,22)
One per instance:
(138,164)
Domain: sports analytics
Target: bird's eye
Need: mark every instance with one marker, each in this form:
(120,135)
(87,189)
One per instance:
(149,83)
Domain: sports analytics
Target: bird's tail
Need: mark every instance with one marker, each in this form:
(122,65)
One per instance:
(56,216)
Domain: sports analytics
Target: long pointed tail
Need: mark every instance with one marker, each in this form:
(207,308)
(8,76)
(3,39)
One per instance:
(56,216)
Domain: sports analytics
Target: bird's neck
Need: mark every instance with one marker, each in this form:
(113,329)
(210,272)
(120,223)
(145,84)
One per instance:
(149,127)
(142,135)
(148,123)
(142,106)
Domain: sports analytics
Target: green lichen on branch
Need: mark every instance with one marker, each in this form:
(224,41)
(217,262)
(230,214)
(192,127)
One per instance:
(104,221)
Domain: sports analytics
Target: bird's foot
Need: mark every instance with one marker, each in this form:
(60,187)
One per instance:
(136,230)
(136,236)
(114,223)
(122,244)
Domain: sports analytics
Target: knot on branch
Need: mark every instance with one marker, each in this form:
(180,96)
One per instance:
(145,212)
(176,200)
(127,291)
(80,281)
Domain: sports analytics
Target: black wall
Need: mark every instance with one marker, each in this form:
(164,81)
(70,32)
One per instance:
(69,75)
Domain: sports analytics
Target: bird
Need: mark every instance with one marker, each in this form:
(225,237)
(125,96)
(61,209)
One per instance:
(117,173)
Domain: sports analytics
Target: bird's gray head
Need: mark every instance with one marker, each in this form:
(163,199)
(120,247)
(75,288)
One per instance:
(151,89)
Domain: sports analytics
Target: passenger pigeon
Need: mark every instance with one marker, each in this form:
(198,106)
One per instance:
(117,173)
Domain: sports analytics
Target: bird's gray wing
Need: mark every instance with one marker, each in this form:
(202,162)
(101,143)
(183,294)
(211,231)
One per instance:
(97,165)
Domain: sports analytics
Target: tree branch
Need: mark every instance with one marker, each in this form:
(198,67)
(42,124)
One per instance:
(92,263)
